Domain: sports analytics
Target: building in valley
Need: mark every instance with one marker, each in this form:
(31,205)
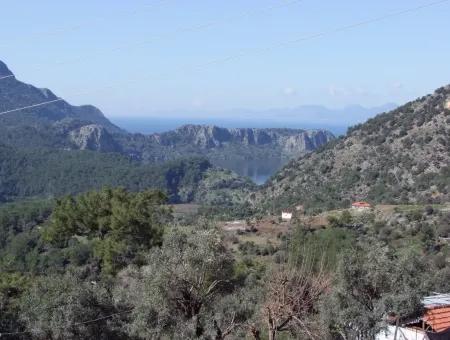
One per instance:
(361,206)
(286,216)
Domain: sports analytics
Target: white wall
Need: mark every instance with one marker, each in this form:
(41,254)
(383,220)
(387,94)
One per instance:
(286,216)
(402,334)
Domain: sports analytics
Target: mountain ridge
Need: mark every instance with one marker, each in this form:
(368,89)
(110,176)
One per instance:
(15,94)
(63,126)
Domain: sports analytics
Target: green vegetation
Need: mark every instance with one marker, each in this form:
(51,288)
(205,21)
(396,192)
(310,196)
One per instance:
(117,224)
(119,258)
(90,248)
(371,284)
(53,173)
(399,157)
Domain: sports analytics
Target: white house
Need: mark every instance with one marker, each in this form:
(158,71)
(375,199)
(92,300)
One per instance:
(286,215)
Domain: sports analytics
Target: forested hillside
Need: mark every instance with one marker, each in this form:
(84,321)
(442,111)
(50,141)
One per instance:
(397,157)
(26,173)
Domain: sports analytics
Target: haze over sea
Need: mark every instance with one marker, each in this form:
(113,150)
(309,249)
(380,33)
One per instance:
(336,120)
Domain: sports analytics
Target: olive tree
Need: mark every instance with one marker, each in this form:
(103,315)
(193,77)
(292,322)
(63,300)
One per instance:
(65,307)
(372,283)
(172,295)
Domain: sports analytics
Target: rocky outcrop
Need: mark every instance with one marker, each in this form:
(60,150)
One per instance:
(93,137)
(306,141)
(292,142)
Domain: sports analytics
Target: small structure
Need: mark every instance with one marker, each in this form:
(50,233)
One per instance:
(433,324)
(361,206)
(447,104)
(437,313)
(286,216)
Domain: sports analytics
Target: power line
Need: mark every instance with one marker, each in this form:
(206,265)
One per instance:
(10,76)
(75,324)
(340,29)
(186,29)
(32,106)
(97,19)
(266,49)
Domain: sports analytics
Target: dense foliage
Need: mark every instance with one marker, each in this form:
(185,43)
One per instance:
(51,173)
(113,264)
(118,224)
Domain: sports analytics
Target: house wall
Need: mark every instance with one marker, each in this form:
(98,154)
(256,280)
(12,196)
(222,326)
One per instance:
(286,216)
(402,334)
(360,208)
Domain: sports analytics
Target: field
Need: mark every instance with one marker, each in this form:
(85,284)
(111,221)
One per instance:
(269,231)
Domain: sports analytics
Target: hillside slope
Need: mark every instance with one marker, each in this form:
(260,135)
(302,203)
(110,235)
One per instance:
(15,94)
(28,173)
(400,156)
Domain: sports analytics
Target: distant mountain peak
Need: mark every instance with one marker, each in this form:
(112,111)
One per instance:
(4,70)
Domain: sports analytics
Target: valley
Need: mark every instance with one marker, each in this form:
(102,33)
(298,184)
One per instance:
(208,232)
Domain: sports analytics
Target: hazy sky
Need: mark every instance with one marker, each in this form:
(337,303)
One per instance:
(142,57)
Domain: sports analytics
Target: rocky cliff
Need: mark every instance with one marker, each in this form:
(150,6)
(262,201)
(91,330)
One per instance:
(93,137)
(289,142)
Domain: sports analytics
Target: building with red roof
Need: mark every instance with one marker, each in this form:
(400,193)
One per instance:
(433,324)
(361,205)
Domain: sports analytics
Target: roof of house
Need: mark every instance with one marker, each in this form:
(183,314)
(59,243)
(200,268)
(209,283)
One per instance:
(438,318)
(436,300)
(361,204)
(437,314)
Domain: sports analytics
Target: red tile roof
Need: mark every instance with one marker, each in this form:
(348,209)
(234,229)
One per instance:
(438,318)
(361,205)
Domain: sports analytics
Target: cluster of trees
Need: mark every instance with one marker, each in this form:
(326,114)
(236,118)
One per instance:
(113,264)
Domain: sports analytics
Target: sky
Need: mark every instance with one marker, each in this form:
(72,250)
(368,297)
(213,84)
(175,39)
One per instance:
(168,57)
